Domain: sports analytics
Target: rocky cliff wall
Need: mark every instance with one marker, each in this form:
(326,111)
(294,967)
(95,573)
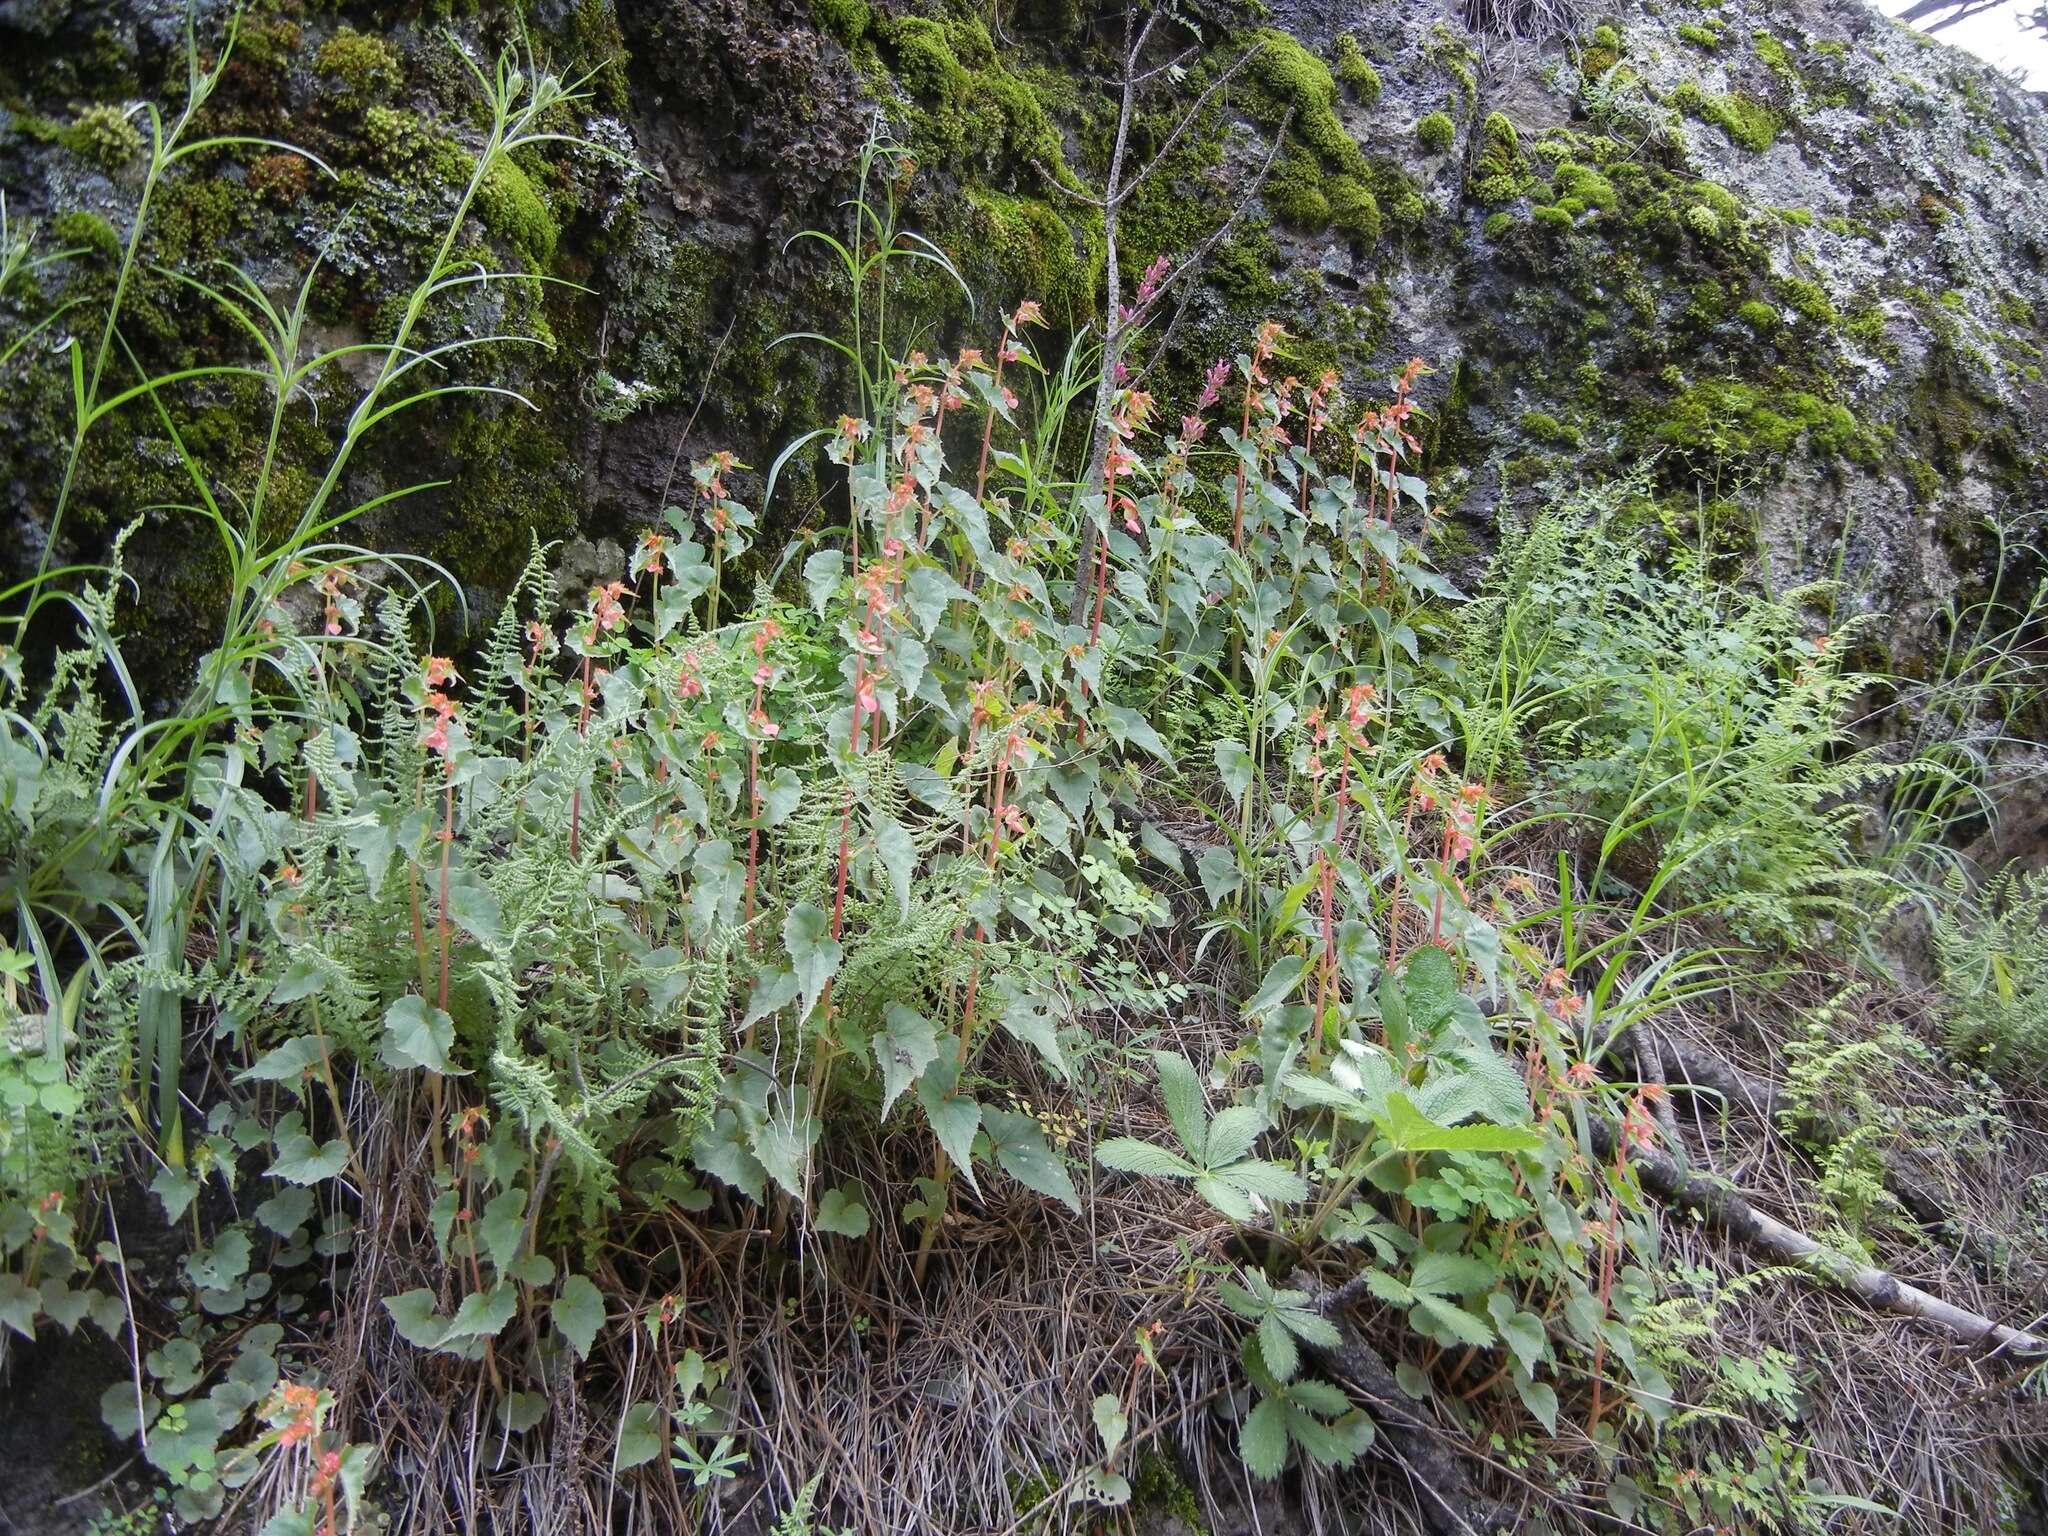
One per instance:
(1791,257)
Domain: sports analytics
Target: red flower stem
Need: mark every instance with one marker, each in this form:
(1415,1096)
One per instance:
(988,428)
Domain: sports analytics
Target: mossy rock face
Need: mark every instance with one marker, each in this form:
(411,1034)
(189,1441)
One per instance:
(1733,225)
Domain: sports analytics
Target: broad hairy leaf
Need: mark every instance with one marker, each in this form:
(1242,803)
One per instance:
(417,1034)
(483,1314)
(418,1321)
(578,1313)
(286,1063)
(1412,1131)
(813,952)
(954,1117)
(904,1047)
(300,1160)
(640,1434)
(1022,1153)
(843,1212)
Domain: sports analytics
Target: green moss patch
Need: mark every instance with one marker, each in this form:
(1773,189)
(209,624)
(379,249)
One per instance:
(1501,174)
(1356,71)
(1743,119)
(1036,254)
(1732,421)
(513,210)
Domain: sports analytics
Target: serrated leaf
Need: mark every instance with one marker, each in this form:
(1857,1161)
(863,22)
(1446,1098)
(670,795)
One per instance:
(1262,1440)
(1412,1131)
(1307,1324)
(1453,1274)
(1387,1288)
(1455,1320)
(1269,1181)
(1226,1198)
(1482,1084)
(1316,1092)
(1185,1106)
(1428,986)
(1319,1397)
(1277,1347)
(1232,1134)
(1128,1155)
(578,1313)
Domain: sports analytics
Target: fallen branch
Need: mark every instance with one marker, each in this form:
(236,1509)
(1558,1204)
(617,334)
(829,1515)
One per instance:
(1690,1066)
(1726,1209)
